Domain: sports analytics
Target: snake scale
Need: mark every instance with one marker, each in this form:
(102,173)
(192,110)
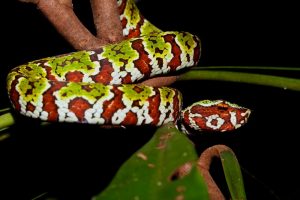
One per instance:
(100,86)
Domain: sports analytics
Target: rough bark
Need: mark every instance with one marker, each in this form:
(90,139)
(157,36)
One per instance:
(107,20)
(61,14)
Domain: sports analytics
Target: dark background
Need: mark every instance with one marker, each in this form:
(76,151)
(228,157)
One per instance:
(76,161)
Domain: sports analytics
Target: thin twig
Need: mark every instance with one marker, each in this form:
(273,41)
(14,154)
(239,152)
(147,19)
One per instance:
(204,164)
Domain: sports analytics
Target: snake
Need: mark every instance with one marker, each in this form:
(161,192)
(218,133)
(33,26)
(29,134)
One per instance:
(102,86)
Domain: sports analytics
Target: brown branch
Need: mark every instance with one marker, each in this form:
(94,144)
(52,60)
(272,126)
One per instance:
(107,20)
(66,2)
(60,13)
(204,164)
(68,25)
(160,81)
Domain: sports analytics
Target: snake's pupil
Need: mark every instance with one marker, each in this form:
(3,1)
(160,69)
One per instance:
(222,107)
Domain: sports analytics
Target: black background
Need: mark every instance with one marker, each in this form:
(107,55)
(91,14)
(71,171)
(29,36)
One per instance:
(76,161)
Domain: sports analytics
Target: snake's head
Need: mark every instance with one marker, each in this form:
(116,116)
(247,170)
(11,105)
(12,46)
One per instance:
(213,115)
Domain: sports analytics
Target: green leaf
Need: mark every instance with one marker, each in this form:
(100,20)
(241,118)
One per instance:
(152,172)
(233,175)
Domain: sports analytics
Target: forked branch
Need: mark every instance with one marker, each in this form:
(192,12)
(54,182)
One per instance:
(61,14)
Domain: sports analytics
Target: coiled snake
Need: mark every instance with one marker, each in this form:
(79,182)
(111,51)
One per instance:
(97,87)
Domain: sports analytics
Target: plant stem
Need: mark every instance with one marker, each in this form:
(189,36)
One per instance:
(6,120)
(259,79)
(4,110)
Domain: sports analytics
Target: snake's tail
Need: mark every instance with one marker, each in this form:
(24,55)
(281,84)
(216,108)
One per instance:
(213,116)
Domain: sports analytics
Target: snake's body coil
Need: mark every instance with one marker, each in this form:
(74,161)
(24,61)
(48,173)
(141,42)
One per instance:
(98,87)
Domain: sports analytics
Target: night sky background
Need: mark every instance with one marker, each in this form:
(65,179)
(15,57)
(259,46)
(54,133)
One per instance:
(78,161)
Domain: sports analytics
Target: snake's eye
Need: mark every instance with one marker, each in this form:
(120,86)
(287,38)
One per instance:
(217,115)
(222,107)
